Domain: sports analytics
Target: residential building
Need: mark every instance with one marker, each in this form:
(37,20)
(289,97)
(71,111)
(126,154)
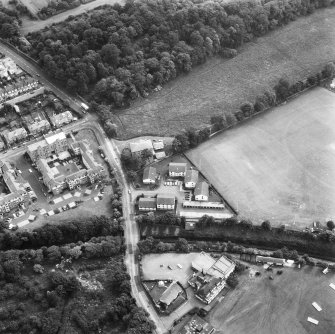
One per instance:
(140,145)
(193,325)
(18,189)
(51,144)
(149,175)
(160,155)
(61,171)
(147,204)
(209,276)
(191,178)
(158,145)
(166,202)
(201,191)
(58,120)
(8,68)
(170,295)
(177,169)
(37,123)
(15,135)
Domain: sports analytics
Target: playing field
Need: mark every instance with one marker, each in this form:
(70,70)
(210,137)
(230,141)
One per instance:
(221,85)
(263,306)
(280,165)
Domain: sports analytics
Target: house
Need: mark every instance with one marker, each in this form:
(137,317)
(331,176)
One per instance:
(165,202)
(170,294)
(177,169)
(270,260)
(149,175)
(160,155)
(191,178)
(201,191)
(193,325)
(15,135)
(140,145)
(37,123)
(147,204)
(17,188)
(209,276)
(58,120)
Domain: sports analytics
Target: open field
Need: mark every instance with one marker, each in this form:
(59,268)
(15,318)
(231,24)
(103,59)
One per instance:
(30,26)
(262,306)
(296,50)
(35,5)
(279,165)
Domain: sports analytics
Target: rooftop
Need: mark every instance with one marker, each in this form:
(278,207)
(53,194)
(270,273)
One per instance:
(145,202)
(201,188)
(195,325)
(191,175)
(177,167)
(165,199)
(171,293)
(149,173)
(141,145)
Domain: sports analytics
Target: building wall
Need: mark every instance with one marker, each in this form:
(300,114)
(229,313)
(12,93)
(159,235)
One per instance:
(173,174)
(201,198)
(148,181)
(190,185)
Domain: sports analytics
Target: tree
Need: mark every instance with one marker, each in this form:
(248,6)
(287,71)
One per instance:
(282,89)
(38,269)
(330,225)
(329,70)
(182,245)
(247,108)
(181,143)
(232,280)
(266,225)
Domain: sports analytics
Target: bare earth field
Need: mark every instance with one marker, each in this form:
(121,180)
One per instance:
(262,306)
(30,26)
(280,165)
(296,50)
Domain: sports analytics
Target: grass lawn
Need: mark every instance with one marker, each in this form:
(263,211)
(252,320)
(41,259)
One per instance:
(262,306)
(220,85)
(280,165)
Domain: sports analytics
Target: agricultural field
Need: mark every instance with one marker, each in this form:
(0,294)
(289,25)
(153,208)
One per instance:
(35,5)
(279,165)
(262,306)
(295,51)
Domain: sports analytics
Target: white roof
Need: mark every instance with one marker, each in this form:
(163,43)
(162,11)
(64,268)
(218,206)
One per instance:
(141,145)
(67,196)
(57,200)
(317,306)
(72,205)
(43,211)
(57,136)
(64,155)
(51,213)
(88,191)
(77,194)
(96,198)
(31,217)
(313,321)
(23,223)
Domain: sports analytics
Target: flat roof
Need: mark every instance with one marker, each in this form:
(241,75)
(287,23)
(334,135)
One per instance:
(56,136)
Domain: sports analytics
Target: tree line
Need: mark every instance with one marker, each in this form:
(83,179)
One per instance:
(281,92)
(123,52)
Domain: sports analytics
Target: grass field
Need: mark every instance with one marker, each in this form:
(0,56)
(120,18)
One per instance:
(262,306)
(296,50)
(35,5)
(280,165)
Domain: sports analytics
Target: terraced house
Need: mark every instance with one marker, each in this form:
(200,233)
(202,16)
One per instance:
(15,135)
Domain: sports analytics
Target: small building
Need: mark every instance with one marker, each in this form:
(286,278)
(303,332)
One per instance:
(14,136)
(191,178)
(58,120)
(160,155)
(270,260)
(193,325)
(201,191)
(177,169)
(158,144)
(140,145)
(147,204)
(166,202)
(149,175)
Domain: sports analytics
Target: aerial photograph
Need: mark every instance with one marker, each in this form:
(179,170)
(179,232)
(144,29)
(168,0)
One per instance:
(167,166)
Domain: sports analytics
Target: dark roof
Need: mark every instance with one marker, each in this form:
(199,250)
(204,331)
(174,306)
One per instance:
(145,202)
(208,287)
(149,173)
(171,293)
(201,188)
(165,199)
(191,176)
(177,167)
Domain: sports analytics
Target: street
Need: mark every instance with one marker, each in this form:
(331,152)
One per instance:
(109,147)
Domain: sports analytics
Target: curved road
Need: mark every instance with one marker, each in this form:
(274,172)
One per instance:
(131,229)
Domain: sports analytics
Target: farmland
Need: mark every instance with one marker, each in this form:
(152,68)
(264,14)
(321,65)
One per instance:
(279,165)
(282,305)
(221,85)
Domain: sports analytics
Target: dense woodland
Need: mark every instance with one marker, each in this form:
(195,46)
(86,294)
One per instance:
(74,284)
(124,52)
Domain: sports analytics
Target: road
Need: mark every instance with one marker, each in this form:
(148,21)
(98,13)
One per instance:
(111,150)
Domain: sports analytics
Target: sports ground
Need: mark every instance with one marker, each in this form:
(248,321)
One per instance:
(282,305)
(279,165)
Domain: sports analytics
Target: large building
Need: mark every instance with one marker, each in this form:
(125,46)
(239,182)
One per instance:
(51,144)
(17,189)
(147,204)
(65,163)
(166,202)
(193,325)
(149,175)
(209,276)
(139,146)
(36,123)
(201,191)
